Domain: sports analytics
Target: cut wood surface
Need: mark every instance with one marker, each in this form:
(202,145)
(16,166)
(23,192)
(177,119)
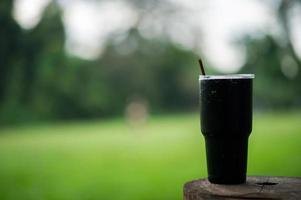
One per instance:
(256,187)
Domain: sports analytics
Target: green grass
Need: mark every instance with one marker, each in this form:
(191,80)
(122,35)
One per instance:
(111,160)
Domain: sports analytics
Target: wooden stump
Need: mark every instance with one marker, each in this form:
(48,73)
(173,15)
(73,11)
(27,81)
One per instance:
(256,187)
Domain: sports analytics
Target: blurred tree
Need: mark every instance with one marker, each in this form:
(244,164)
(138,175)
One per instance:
(10,45)
(38,80)
(276,81)
(31,59)
(45,63)
(284,16)
(157,70)
(276,65)
(48,84)
(44,46)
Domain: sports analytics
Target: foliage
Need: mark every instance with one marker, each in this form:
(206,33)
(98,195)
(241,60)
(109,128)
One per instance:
(276,64)
(39,81)
(46,83)
(277,76)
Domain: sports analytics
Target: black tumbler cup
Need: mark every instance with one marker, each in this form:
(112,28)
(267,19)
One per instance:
(226,123)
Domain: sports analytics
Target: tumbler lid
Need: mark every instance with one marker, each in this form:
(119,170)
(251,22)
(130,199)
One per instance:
(227,76)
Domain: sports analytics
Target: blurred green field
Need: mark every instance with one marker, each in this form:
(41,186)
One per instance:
(111,160)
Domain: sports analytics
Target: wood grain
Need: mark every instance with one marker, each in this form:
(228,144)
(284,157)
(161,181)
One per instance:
(256,187)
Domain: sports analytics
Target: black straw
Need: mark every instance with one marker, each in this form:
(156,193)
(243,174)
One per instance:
(202,67)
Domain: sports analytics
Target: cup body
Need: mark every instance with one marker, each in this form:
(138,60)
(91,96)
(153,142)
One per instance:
(226,123)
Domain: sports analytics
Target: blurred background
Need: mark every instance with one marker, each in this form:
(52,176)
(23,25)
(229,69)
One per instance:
(99,99)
